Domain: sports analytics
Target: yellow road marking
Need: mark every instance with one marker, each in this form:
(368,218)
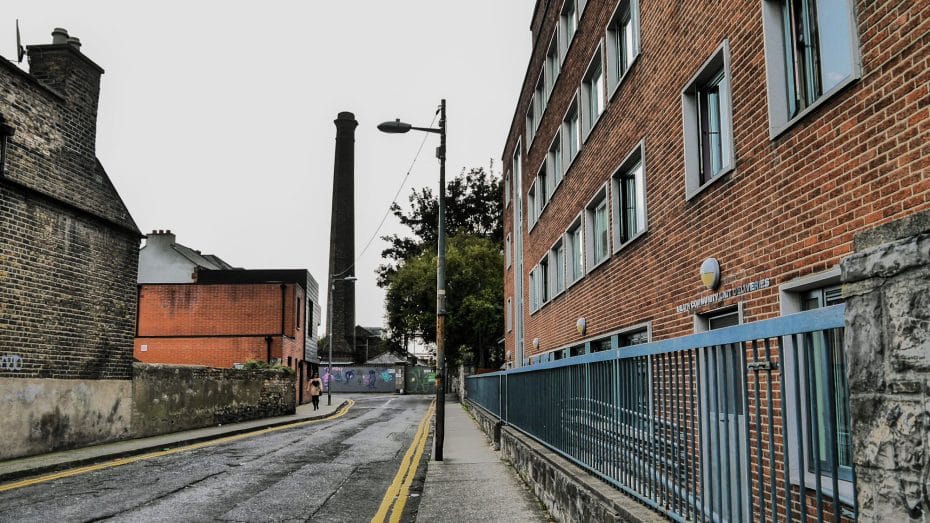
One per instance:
(396,494)
(132,459)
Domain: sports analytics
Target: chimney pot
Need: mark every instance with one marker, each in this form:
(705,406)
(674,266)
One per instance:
(60,35)
(74,42)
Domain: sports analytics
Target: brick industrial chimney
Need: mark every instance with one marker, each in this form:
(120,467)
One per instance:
(62,67)
(342,241)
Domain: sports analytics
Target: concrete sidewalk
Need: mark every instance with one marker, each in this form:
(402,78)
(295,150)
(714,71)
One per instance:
(472,483)
(44,463)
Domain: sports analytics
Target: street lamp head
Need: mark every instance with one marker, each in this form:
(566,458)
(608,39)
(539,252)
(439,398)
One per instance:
(395,127)
(349,278)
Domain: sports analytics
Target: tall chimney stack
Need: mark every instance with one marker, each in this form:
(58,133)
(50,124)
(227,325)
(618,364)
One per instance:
(62,67)
(342,241)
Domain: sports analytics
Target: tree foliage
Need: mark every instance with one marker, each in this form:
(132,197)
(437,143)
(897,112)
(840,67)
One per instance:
(473,207)
(474,263)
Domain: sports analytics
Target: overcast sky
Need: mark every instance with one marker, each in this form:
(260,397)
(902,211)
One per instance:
(216,117)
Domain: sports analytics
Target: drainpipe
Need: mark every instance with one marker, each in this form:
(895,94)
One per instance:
(268,345)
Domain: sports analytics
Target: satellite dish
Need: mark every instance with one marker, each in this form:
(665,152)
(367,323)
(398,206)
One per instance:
(20,51)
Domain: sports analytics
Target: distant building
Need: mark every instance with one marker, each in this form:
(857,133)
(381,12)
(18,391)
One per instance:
(369,342)
(68,260)
(228,317)
(163,260)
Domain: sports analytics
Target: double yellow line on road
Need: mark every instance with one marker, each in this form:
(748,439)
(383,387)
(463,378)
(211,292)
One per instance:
(399,490)
(132,459)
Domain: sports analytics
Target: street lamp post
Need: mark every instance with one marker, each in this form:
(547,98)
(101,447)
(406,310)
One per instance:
(329,333)
(400,127)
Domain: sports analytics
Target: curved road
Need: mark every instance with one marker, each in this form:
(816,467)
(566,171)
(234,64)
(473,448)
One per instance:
(335,470)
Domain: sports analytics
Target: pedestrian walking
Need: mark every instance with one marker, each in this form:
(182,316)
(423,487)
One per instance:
(316,389)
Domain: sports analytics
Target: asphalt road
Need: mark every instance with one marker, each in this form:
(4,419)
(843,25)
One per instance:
(336,470)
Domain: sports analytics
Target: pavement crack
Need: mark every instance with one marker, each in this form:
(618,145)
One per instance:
(333,493)
(155,499)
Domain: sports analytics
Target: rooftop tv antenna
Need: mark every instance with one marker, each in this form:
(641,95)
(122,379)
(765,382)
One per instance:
(20,51)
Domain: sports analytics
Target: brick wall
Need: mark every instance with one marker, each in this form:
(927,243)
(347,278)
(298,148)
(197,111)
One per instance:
(789,208)
(68,246)
(219,324)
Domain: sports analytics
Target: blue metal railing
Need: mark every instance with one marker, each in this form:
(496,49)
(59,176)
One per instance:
(708,427)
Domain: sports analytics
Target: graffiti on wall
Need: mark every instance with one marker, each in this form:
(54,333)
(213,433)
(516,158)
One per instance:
(420,380)
(360,379)
(11,362)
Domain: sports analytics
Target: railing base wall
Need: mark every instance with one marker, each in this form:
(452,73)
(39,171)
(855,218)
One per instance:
(568,492)
(487,422)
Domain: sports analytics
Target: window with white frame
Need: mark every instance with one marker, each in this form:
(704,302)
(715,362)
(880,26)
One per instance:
(553,63)
(571,135)
(539,100)
(568,23)
(708,126)
(811,52)
(824,352)
(507,182)
(598,231)
(557,262)
(622,41)
(629,198)
(508,318)
(532,211)
(820,360)
(534,294)
(543,280)
(554,161)
(542,189)
(508,248)
(575,250)
(530,122)
(592,94)
(636,336)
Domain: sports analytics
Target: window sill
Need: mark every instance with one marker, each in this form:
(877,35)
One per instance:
(723,174)
(622,79)
(826,483)
(598,264)
(571,163)
(584,139)
(573,282)
(776,130)
(635,237)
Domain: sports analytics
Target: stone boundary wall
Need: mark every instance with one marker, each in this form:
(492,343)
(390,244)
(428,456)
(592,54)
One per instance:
(46,414)
(887,289)
(569,493)
(172,398)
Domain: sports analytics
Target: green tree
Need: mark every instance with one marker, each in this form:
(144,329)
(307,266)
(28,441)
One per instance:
(473,206)
(474,265)
(474,298)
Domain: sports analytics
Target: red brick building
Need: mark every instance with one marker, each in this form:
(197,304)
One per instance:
(620,181)
(228,317)
(677,167)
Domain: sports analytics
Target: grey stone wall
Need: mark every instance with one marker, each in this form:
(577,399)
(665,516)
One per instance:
(46,414)
(887,289)
(171,398)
